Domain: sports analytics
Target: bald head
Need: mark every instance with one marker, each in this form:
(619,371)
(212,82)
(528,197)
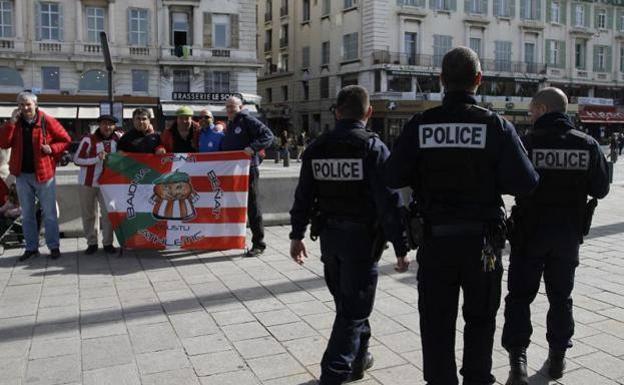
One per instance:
(233,106)
(552,98)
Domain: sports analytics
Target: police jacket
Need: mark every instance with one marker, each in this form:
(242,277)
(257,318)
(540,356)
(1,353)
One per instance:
(570,163)
(459,158)
(341,176)
(246,131)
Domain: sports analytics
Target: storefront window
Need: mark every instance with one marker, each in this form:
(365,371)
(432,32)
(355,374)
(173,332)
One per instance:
(10,77)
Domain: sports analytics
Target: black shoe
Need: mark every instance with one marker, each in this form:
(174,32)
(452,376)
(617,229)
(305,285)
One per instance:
(358,367)
(556,364)
(91,249)
(518,367)
(55,253)
(254,251)
(110,249)
(28,254)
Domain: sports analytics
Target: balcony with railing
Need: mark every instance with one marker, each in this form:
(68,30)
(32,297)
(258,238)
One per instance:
(268,16)
(283,42)
(7,44)
(52,47)
(401,58)
(267,46)
(284,11)
(493,65)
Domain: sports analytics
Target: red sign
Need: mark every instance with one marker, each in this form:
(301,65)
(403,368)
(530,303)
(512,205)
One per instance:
(604,115)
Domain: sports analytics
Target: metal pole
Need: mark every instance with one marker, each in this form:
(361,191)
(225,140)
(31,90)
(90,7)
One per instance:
(109,68)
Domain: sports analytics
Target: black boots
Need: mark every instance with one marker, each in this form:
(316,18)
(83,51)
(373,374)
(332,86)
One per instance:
(556,364)
(518,367)
(359,366)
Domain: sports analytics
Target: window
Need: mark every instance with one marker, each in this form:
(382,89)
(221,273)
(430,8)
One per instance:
(268,38)
(411,39)
(622,58)
(602,58)
(50,79)
(399,83)
(555,53)
(284,36)
(268,10)
(305,89)
(502,54)
(6,18)
(269,95)
(413,3)
(442,5)
(377,80)
(579,15)
(306,11)
(139,80)
(324,87)
(530,9)
(350,46)
(220,31)
(217,81)
(284,63)
(95,23)
(476,6)
(441,45)
(180,29)
(285,93)
(325,53)
(50,22)
(94,80)
(349,80)
(601,19)
(475,45)
(555,12)
(138,27)
(326,7)
(181,81)
(269,69)
(529,57)
(504,8)
(621,21)
(349,4)
(305,57)
(9,77)
(579,54)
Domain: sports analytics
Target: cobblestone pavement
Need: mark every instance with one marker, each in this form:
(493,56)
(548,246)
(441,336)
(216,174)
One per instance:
(219,319)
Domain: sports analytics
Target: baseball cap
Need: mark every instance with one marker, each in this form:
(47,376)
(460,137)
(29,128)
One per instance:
(184,111)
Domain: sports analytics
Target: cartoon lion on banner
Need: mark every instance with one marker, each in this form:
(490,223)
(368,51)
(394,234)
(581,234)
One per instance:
(174,197)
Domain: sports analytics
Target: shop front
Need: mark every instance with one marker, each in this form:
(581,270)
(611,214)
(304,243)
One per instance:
(601,121)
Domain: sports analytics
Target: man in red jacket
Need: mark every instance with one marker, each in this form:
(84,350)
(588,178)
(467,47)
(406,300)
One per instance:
(36,141)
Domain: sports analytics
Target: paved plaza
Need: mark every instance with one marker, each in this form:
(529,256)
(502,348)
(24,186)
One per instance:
(221,319)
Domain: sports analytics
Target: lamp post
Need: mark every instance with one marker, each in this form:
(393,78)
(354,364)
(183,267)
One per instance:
(109,68)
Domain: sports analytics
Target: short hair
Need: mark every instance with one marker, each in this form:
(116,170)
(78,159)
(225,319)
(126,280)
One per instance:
(141,111)
(236,100)
(26,95)
(207,111)
(552,98)
(460,67)
(352,102)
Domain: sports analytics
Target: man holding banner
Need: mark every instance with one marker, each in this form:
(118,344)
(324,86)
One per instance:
(244,132)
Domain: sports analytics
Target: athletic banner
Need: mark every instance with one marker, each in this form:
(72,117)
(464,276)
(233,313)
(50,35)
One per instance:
(177,201)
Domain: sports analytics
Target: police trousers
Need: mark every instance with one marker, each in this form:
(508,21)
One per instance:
(351,276)
(446,264)
(552,250)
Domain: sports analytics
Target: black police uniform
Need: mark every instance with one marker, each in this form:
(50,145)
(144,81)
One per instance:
(459,158)
(548,228)
(341,178)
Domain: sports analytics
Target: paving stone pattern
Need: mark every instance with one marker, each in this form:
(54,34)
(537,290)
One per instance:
(218,318)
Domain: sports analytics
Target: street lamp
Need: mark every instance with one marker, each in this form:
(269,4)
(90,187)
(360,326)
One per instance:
(109,68)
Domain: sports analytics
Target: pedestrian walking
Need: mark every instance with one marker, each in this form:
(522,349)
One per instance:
(459,158)
(341,190)
(90,157)
(548,226)
(301,143)
(36,141)
(244,132)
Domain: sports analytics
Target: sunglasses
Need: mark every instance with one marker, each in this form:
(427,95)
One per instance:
(205,117)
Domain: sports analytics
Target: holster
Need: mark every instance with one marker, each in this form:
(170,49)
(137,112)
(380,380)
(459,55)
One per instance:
(516,227)
(496,234)
(317,223)
(588,214)
(414,224)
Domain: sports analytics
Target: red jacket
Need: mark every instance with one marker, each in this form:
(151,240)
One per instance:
(45,165)
(166,138)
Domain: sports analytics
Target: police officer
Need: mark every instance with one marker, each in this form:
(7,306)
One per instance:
(341,188)
(459,158)
(548,230)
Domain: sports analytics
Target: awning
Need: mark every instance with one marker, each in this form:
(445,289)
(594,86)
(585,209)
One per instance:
(89,113)
(216,109)
(6,111)
(60,112)
(603,117)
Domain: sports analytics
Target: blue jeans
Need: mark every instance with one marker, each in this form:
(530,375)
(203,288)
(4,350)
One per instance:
(27,189)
